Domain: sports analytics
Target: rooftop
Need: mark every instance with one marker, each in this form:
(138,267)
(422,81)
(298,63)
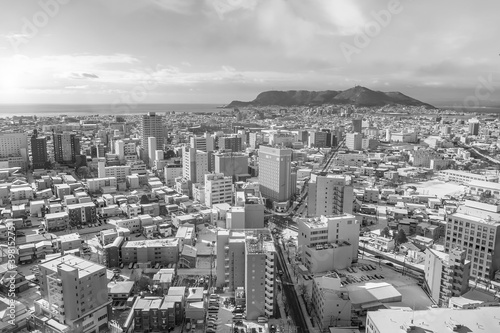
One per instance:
(70,262)
(436,320)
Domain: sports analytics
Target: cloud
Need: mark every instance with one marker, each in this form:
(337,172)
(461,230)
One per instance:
(80,76)
(77,87)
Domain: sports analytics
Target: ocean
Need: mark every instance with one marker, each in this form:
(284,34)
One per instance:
(9,110)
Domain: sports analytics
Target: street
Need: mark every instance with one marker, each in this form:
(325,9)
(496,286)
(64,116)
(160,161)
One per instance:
(291,295)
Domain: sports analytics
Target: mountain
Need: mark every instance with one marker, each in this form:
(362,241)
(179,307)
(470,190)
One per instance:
(359,96)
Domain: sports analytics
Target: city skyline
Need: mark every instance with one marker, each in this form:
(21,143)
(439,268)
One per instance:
(216,51)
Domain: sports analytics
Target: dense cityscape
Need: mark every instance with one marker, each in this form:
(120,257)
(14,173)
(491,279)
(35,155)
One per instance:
(249,166)
(199,222)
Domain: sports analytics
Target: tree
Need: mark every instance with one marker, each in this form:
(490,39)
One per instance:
(385,232)
(401,237)
(83,172)
(144,283)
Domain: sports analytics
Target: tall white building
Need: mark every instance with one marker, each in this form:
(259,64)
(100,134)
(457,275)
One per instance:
(275,174)
(151,150)
(152,126)
(353,141)
(204,143)
(218,189)
(328,242)
(120,172)
(329,195)
(194,165)
(330,302)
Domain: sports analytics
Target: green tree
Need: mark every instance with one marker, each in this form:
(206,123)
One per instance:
(385,232)
(400,237)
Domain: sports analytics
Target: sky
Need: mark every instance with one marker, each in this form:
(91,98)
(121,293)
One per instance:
(443,52)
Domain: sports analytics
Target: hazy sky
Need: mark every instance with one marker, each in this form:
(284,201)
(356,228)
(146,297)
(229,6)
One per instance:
(214,51)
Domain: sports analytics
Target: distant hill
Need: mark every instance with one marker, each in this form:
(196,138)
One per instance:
(359,96)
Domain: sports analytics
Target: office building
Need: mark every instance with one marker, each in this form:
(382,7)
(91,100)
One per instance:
(441,320)
(328,242)
(318,139)
(14,149)
(39,154)
(231,164)
(330,302)
(151,150)
(120,172)
(205,143)
(446,274)
(230,143)
(282,138)
(74,296)
(357,125)
(218,189)
(170,172)
(194,165)
(353,141)
(275,175)
(66,147)
(248,210)
(475,228)
(152,126)
(329,195)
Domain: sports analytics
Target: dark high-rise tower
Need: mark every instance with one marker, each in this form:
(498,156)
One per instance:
(152,126)
(39,157)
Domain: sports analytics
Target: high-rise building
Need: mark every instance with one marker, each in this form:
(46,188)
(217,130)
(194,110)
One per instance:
(474,127)
(282,138)
(232,143)
(354,141)
(329,195)
(231,164)
(39,155)
(152,126)
(275,173)
(74,296)
(218,189)
(475,227)
(194,165)
(357,125)
(66,147)
(318,139)
(246,261)
(446,274)
(205,143)
(151,150)
(328,242)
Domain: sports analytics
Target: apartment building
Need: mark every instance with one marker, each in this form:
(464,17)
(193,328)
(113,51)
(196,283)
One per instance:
(162,251)
(282,138)
(260,275)
(475,228)
(39,154)
(318,139)
(233,143)
(329,195)
(218,189)
(194,165)
(66,147)
(152,126)
(56,221)
(170,172)
(98,184)
(328,242)
(14,145)
(82,213)
(120,172)
(330,302)
(350,160)
(446,274)
(74,296)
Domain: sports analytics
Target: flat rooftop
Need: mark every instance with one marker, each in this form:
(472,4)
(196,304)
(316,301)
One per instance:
(70,262)
(437,320)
